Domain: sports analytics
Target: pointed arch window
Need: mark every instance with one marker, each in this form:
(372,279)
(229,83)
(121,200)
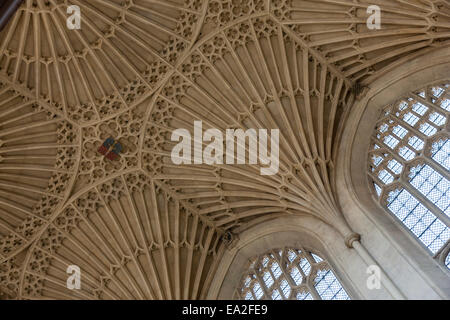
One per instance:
(290,274)
(409,165)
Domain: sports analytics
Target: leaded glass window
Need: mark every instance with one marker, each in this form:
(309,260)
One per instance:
(409,165)
(290,274)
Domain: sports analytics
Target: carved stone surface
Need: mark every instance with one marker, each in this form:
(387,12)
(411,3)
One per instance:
(136,71)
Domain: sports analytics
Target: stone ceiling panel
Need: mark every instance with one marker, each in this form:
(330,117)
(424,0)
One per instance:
(141,226)
(39,153)
(131,240)
(121,53)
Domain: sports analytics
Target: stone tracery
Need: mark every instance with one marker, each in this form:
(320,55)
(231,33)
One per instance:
(39,159)
(409,160)
(290,274)
(140,69)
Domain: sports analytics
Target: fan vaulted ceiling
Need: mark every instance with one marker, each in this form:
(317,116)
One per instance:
(142,227)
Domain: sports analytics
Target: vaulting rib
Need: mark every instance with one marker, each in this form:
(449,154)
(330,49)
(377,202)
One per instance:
(118,58)
(291,65)
(38,152)
(131,239)
(338,31)
(252,75)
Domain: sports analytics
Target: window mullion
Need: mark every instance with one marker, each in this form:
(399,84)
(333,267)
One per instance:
(376,179)
(407,126)
(313,291)
(263,285)
(394,152)
(307,286)
(423,120)
(288,276)
(443,252)
(437,167)
(428,103)
(427,203)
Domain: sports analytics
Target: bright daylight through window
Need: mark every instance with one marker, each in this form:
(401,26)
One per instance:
(409,165)
(290,274)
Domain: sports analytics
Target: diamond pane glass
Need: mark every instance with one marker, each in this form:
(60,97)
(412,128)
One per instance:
(441,153)
(290,274)
(328,287)
(433,186)
(304,296)
(417,218)
(413,133)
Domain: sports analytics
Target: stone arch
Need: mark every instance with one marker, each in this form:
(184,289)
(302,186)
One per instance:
(388,241)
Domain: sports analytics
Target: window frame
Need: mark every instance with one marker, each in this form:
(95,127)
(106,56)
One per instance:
(280,255)
(422,157)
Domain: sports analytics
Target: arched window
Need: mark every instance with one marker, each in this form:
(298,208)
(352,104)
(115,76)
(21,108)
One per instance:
(294,274)
(409,165)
